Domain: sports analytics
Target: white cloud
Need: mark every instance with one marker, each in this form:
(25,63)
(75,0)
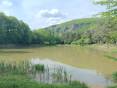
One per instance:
(6,3)
(53,13)
(6,6)
(50,17)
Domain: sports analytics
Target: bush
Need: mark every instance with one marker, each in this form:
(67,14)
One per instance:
(114,76)
(39,67)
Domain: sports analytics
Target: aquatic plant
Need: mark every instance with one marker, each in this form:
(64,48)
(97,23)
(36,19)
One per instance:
(114,76)
(19,75)
(21,81)
(24,67)
(39,67)
(38,72)
(60,75)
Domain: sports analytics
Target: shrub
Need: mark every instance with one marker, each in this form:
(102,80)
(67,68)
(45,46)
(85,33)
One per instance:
(114,76)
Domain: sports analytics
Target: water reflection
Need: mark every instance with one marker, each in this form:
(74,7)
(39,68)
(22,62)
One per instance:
(88,76)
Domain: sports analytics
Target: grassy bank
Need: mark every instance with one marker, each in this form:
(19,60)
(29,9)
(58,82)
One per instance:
(19,81)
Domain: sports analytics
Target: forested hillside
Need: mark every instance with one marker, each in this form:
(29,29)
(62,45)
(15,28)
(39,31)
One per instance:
(100,30)
(14,31)
(74,25)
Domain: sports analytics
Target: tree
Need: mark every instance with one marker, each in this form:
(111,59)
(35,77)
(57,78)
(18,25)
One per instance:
(111,12)
(14,31)
(111,6)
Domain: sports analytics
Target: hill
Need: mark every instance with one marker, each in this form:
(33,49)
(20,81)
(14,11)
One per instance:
(74,25)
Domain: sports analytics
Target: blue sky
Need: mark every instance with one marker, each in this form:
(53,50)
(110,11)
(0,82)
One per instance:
(42,13)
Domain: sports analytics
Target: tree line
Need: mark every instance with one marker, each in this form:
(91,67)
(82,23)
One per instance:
(14,31)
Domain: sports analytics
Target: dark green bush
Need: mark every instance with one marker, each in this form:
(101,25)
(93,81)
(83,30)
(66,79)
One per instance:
(39,67)
(114,76)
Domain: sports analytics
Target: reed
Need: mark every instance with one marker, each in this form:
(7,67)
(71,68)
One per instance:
(19,81)
(24,67)
(18,75)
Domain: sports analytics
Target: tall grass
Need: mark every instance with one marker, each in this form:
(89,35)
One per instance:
(18,81)
(114,76)
(22,75)
(24,67)
(60,75)
(38,72)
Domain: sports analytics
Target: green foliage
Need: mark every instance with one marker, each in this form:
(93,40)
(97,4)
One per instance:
(18,81)
(111,7)
(114,76)
(24,67)
(113,37)
(39,67)
(43,36)
(82,31)
(71,31)
(76,84)
(13,31)
(114,86)
(19,76)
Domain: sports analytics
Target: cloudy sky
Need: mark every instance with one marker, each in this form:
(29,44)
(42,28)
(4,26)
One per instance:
(42,13)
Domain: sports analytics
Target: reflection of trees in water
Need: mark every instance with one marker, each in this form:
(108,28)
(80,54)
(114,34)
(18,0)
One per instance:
(56,74)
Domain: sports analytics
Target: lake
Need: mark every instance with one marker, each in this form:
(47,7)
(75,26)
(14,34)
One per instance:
(85,64)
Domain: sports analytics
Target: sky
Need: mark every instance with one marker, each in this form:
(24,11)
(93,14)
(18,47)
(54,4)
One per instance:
(43,13)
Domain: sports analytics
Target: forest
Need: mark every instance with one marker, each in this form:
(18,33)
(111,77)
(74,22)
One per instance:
(96,30)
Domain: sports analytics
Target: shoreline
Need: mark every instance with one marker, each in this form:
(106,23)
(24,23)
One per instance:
(103,46)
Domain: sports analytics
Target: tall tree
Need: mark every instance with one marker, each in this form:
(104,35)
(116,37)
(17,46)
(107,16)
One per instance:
(13,31)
